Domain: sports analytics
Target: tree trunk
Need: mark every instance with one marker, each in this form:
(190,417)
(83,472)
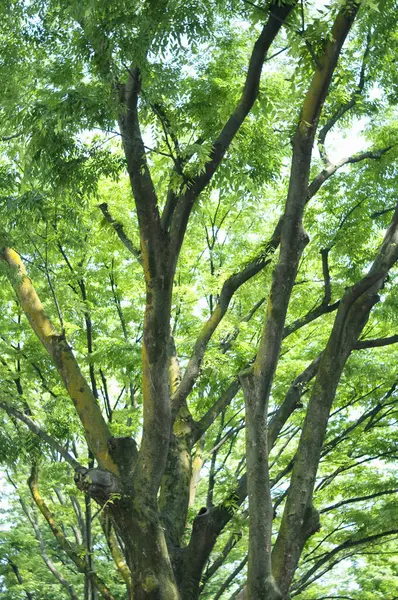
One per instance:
(261,584)
(147,556)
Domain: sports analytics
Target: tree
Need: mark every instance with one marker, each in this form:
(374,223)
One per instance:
(209,113)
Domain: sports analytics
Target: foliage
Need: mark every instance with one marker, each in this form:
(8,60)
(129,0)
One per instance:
(62,68)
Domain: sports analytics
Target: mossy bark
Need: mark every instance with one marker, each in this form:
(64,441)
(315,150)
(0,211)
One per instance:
(141,530)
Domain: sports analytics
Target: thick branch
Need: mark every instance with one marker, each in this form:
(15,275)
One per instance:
(292,235)
(230,286)
(352,316)
(291,402)
(257,383)
(277,16)
(95,428)
(262,261)
(140,177)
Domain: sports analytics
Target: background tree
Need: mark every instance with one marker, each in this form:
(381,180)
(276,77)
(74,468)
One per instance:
(156,158)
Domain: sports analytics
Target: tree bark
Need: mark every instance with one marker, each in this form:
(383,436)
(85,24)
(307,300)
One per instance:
(257,382)
(300,520)
(141,530)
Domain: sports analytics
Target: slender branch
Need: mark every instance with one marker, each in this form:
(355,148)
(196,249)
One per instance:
(350,543)
(317,312)
(66,546)
(43,551)
(327,569)
(326,276)
(119,229)
(230,545)
(353,465)
(168,132)
(7,138)
(230,286)
(231,577)
(292,399)
(17,382)
(380,213)
(357,499)
(240,593)
(345,107)
(115,551)
(42,434)
(340,527)
(18,575)
(376,343)
(331,168)
(212,470)
(281,450)
(210,416)
(226,343)
(370,414)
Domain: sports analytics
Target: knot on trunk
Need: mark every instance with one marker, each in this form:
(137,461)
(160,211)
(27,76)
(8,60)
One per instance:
(311,523)
(99,484)
(124,452)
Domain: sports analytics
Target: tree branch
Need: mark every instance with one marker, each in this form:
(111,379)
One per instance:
(331,168)
(95,428)
(376,343)
(277,16)
(210,416)
(230,286)
(10,410)
(61,539)
(257,382)
(350,543)
(115,551)
(119,229)
(352,316)
(357,499)
(230,545)
(345,107)
(230,579)
(317,312)
(151,232)
(18,575)
(49,564)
